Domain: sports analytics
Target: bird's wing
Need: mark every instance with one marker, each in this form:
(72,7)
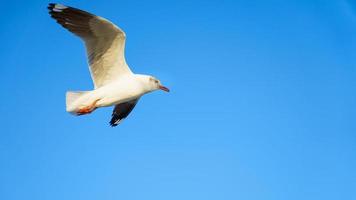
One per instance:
(104,42)
(121,111)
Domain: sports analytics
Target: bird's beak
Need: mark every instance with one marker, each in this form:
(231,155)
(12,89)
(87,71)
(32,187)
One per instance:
(161,87)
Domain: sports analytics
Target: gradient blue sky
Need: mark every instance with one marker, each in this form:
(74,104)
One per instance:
(262,103)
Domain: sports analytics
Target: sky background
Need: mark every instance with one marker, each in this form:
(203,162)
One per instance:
(262,103)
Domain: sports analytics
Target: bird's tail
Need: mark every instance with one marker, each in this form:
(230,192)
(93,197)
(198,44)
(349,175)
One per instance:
(71,99)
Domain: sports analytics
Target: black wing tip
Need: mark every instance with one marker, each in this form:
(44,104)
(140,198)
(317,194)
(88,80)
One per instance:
(115,121)
(113,125)
(121,111)
(56,7)
(51,6)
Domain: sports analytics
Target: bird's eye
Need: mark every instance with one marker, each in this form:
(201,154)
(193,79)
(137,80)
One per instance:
(156,81)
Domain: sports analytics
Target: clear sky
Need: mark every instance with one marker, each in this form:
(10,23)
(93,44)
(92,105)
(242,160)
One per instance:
(262,103)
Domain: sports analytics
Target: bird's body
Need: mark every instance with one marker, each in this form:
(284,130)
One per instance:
(114,82)
(123,89)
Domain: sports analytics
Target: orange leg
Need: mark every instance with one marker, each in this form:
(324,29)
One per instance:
(87,109)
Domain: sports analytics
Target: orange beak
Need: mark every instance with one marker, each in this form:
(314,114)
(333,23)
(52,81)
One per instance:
(163,88)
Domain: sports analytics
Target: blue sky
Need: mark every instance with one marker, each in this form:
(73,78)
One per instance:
(262,103)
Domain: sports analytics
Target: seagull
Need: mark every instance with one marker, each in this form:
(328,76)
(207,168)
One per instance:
(114,83)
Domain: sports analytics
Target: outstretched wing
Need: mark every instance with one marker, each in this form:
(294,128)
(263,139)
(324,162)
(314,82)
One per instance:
(121,111)
(104,42)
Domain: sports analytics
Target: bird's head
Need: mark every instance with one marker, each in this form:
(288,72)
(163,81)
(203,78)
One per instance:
(151,83)
(156,84)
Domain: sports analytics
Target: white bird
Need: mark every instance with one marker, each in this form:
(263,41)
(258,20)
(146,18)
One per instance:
(114,82)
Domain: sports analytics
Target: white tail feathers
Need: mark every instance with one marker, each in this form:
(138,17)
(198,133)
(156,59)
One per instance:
(71,98)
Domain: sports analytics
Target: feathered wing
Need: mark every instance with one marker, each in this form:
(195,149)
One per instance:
(121,111)
(104,42)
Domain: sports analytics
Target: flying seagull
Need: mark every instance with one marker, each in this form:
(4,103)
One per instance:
(114,82)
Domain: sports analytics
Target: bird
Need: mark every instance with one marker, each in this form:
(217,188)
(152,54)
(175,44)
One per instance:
(114,82)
